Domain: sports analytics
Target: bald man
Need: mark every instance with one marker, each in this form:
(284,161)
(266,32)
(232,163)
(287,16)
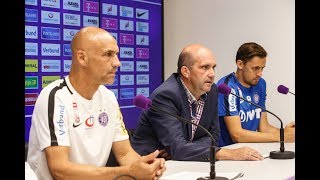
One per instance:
(77,120)
(191,94)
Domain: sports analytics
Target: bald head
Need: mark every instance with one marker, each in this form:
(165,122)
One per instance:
(88,37)
(190,54)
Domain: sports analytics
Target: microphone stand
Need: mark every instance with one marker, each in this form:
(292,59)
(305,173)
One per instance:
(212,148)
(282,154)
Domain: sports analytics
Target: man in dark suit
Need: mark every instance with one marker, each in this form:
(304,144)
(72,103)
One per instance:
(191,94)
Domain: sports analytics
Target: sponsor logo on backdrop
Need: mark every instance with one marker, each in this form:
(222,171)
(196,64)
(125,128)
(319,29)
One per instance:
(48,79)
(66,65)
(30,99)
(126,11)
(142,27)
(142,14)
(67,50)
(109,9)
(126,39)
(71,5)
(126,25)
(31,2)
(31,32)
(50,17)
(31,15)
(142,53)
(50,3)
(115,91)
(142,40)
(115,35)
(143,91)
(50,65)
(142,66)
(31,49)
(90,21)
(109,23)
(69,33)
(31,65)
(49,33)
(142,79)
(126,93)
(50,49)
(127,79)
(31,82)
(127,66)
(71,19)
(126,52)
(90,6)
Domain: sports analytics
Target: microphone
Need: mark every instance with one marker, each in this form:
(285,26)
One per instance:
(284,90)
(282,154)
(146,103)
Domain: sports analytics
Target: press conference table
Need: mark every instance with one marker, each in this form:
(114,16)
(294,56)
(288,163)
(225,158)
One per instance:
(267,169)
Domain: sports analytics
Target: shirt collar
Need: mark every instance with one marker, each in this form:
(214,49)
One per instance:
(191,98)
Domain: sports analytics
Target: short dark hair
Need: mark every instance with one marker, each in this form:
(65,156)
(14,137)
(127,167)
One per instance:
(249,50)
(185,59)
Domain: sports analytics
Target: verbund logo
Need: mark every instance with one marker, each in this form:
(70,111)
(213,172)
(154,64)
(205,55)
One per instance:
(90,6)
(109,9)
(142,53)
(126,93)
(67,49)
(50,49)
(31,65)
(31,82)
(109,23)
(31,32)
(50,33)
(90,21)
(126,39)
(30,99)
(31,15)
(66,65)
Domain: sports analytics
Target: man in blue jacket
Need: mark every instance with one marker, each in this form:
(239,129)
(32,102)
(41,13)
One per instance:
(191,94)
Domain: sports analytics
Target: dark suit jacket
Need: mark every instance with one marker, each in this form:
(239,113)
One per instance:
(157,130)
